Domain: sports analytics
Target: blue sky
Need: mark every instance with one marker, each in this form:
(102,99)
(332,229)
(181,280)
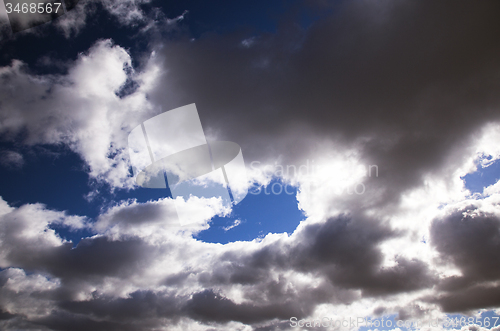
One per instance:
(483,177)
(410,87)
(257,215)
(54,170)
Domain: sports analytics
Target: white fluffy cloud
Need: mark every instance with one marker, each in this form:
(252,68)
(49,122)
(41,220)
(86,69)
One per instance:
(80,109)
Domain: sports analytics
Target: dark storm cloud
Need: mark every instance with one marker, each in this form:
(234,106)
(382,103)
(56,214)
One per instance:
(139,305)
(478,297)
(6,315)
(145,309)
(264,289)
(209,306)
(470,240)
(64,321)
(91,261)
(342,254)
(415,79)
(346,250)
(95,257)
(343,250)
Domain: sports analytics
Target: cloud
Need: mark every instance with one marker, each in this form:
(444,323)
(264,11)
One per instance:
(346,250)
(81,109)
(478,297)
(125,272)
(311,93)
(469,239)
(411,87)
(11,159)
(209,306)
(229,227)
(158,221)
(17,289)
(179,279)
(135,14)
(359,80)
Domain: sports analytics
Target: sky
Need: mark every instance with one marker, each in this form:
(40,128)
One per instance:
(369,131)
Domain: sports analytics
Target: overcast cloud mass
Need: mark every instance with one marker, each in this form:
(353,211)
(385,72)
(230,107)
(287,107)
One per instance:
(408,87)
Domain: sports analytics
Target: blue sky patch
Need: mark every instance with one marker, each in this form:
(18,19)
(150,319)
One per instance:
(260,213)
(482,177)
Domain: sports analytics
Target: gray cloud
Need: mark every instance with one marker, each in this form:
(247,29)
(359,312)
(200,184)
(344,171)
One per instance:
(408,83)
(342,251)
(411,82)
(346,250)
(470,240)
(139,305)
(478,297)
(209,306)
(63,321)
(11,159)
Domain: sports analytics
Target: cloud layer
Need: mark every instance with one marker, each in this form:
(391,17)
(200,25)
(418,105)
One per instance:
(411,87)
